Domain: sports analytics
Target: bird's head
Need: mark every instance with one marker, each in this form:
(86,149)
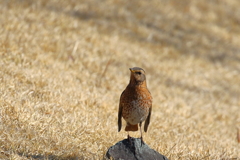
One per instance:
(137,75)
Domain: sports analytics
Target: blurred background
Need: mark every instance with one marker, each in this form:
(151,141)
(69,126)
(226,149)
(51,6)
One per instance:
(64,64)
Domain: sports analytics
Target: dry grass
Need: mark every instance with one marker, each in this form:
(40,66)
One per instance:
(64,65)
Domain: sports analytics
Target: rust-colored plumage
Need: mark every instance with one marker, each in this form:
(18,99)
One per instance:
(135,102)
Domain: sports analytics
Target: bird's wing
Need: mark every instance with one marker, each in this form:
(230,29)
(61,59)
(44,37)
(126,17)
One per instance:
(120,114)
(148,119)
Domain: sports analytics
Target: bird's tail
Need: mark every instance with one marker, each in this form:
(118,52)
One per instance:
(130,127)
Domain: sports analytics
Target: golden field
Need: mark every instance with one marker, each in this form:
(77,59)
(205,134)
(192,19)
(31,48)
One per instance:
(64,64)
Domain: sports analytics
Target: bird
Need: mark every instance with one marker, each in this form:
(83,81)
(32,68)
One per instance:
(135,105)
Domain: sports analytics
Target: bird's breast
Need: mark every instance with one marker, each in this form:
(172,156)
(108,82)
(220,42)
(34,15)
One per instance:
(136,111)
(135,104)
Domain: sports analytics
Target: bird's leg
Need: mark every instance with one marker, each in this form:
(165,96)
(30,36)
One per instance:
(141,133)
(129,139)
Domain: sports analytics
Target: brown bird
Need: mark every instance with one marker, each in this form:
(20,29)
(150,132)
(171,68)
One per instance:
(135,103)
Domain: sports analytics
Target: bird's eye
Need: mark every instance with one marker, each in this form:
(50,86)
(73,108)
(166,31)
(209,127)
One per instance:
(138,73)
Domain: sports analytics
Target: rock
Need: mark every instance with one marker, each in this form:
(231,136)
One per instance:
(133,150)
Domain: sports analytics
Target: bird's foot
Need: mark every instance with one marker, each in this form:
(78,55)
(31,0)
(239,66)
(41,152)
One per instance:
(142,142)
(129,139)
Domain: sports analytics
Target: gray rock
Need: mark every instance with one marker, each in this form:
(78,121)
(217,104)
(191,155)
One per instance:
(133,150)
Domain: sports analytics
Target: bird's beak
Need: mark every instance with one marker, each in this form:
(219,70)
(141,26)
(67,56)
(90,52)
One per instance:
(131,70)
